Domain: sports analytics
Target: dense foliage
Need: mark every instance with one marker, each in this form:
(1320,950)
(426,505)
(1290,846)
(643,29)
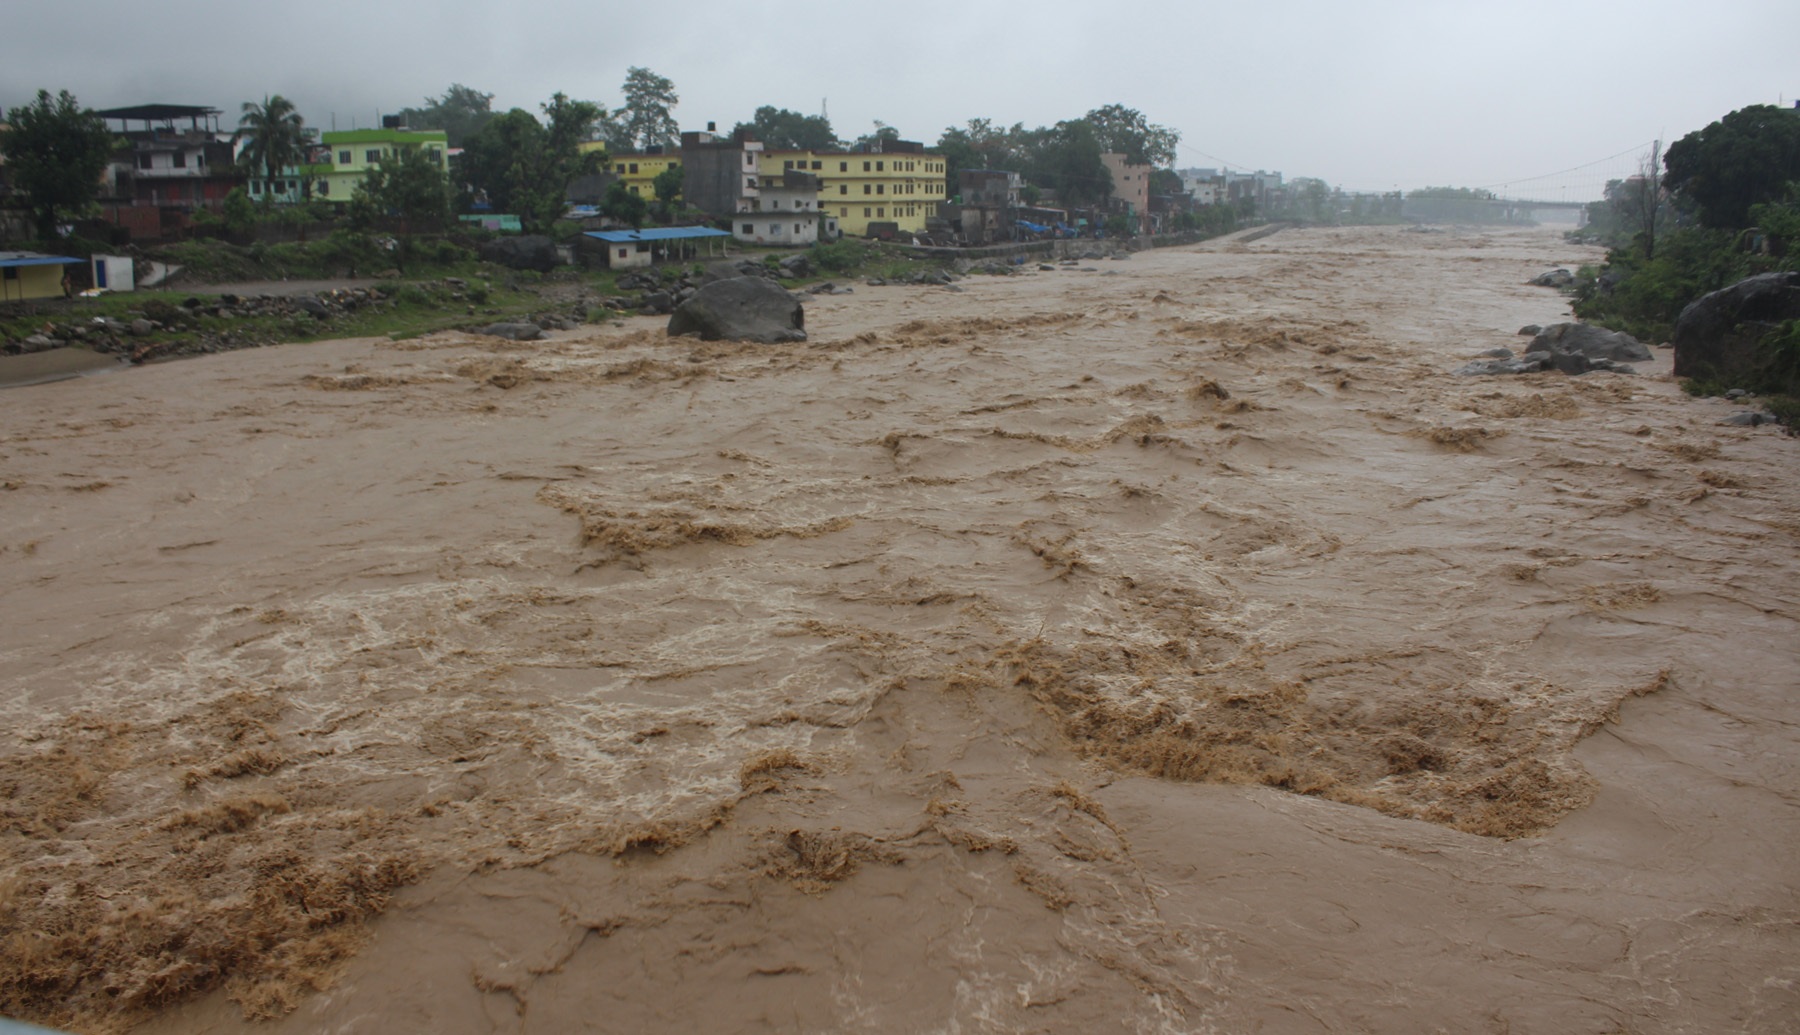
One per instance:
(55,152)
(460,113)
(780,130)
(1746,158)
(524,166)
(1729,208)
(407,184)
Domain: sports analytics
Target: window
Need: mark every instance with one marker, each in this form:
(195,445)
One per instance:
(865,167)
(789,164)
(878,167)
(774,229)
(624,253)
(634,189)
(324,188)
(843,188)
(180,159)
(818,165)
(143,163)
(256,186)
(634,167)
(843,167)
(866,211)
(343,158)
(620,168)
(748,228)
(868,189)
(371,157)
(881,188)
(880,213)
(842,211)
(796,228)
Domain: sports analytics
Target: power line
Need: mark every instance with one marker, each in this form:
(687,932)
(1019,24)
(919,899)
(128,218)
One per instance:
(1634,149)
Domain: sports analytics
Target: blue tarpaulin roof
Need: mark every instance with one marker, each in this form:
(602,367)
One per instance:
(34,259)
(657,233)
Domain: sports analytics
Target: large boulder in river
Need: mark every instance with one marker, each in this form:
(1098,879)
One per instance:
(1718,336)
(529,252)
(741,309)
(1576,348)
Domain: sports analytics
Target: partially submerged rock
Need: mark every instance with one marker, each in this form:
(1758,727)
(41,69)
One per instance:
(514,331)
(1555,278)
(741,309)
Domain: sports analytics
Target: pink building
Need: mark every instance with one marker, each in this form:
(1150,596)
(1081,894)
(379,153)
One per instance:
(1131,189)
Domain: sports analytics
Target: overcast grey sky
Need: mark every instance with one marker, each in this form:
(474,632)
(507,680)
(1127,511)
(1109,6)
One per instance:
(1367,95)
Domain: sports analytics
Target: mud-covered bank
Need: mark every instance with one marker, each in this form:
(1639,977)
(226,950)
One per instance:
(1172,646)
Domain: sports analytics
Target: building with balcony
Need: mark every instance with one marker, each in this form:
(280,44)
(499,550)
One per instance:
(175,156)
(786,211)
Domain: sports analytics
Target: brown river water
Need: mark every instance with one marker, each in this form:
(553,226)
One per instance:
(1171,645)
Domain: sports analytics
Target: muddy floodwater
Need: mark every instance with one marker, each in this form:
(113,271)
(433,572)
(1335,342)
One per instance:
(1171,644)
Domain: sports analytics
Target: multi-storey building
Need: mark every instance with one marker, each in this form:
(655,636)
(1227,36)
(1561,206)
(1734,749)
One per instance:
(167,165)
(721,174)
(638,172)
(1130,189)
(351,153)
(785,211)
(901,183)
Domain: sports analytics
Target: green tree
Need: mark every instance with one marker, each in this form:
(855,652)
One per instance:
(1066,159)
(1747,157)
(980,145)
(648,117)
(781,129)
(407,183)
(1123,130)
(667,185)
(625,206)
(524,167)
(238,211)
(871,140)
(56,150)
(274,137)
(460,113)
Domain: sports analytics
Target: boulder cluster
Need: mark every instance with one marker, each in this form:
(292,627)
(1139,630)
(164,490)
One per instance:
(164,329)
(1573,348)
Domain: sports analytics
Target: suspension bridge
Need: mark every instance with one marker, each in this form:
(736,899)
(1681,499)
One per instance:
(1563,196)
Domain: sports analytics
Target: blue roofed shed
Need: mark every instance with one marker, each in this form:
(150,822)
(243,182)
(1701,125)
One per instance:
(625,249)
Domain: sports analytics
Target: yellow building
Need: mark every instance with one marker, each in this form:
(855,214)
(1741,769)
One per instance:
(900,186)
(638,172)
(31,275)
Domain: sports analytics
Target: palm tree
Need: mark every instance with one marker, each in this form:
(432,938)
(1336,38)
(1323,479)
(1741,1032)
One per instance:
(274,136)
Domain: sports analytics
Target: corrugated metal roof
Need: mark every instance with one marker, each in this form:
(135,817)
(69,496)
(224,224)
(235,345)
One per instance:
(657,233)
(34,259)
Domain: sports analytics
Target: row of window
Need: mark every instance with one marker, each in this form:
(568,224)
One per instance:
(749,229)
(622,167)
(373,155)
(879,165)
(880,211)
(177,160)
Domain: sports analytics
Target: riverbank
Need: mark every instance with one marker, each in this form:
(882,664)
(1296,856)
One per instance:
(1171,644)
